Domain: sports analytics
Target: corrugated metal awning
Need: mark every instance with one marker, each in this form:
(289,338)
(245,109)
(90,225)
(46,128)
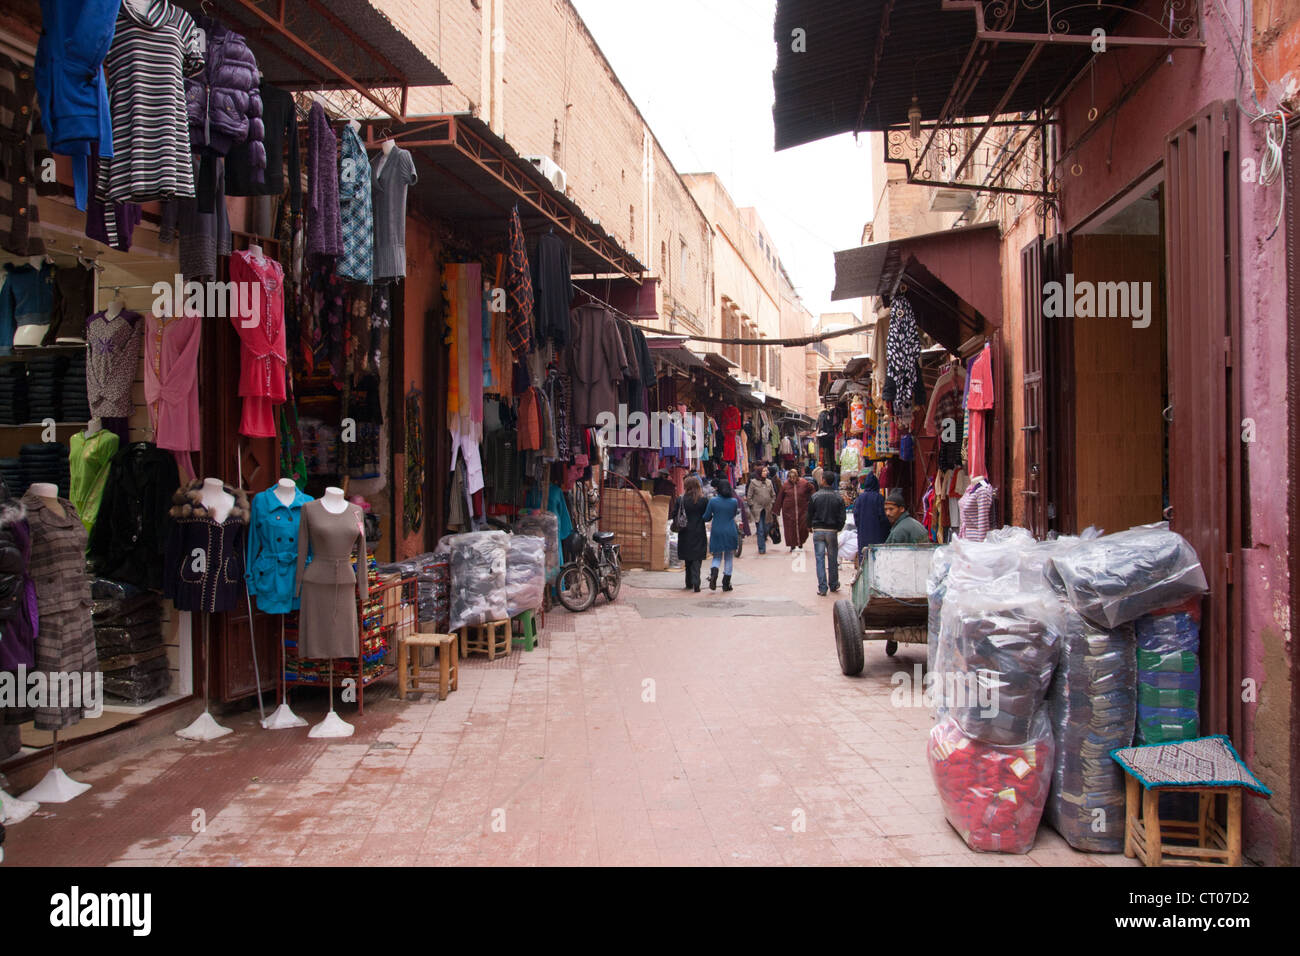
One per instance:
(952,278)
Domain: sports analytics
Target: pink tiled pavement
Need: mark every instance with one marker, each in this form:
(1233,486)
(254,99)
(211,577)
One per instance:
(729,740)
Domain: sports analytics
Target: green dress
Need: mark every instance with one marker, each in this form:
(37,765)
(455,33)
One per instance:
(89,457)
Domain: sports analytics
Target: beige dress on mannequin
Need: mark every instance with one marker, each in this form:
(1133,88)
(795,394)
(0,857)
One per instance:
(329,588)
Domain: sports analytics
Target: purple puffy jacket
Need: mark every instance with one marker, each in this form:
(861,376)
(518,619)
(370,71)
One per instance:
(224,105)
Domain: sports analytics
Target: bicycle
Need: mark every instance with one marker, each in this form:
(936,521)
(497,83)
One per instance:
(597,570)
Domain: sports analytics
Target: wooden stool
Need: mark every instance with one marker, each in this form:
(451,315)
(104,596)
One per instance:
(527,637)
(1211,843)
(408,663)
(492,638)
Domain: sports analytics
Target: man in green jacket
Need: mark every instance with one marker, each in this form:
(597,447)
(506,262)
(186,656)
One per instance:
(906,529)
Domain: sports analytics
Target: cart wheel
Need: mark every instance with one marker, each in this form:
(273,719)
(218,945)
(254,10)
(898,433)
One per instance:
(891,648)
(848,638)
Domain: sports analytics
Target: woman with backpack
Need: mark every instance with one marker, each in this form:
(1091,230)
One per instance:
(687,516)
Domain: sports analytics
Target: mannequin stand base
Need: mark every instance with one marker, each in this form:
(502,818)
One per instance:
(332,726)
(205,727)
(56,787)
(282,718)
(13,810)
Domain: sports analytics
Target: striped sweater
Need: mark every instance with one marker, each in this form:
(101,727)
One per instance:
(145,65)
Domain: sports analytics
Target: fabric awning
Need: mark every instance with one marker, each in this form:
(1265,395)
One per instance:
(952,278)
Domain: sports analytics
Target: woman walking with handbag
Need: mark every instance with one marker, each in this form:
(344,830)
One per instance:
(687,516)
(723,536)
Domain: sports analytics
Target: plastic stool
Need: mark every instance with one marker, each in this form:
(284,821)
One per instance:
(527,630)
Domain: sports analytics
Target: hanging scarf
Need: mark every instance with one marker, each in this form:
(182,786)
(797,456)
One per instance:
(413,492)
(903,353)
(519,290)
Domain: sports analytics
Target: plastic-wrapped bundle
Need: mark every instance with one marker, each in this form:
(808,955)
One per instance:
(992,795)
(1169,677)
(995,662)
(525,574)
(140,683)
(1117,578)
(1093,703)
(478,577)
(936,586)
(545,525)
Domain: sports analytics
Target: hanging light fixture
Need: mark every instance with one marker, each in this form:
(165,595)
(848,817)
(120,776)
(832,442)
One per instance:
(914,117)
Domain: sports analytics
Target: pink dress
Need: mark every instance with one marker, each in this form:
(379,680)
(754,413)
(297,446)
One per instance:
(171,380)
(262,342)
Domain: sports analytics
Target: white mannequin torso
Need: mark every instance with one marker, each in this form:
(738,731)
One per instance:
(387,147)
(286,491)
(216,499)
(333,501)
(49,495)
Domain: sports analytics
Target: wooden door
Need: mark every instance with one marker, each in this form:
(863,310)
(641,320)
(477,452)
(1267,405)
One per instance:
(1033,386)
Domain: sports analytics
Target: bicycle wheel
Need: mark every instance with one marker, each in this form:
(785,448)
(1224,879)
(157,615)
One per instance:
(613,583)
(577,586)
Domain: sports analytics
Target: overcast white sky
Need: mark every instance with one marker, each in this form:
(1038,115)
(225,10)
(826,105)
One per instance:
(701,73)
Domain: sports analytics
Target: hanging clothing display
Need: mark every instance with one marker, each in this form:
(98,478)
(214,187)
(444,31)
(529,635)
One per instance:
(112,357)
(554,289)
(150,55)
(17,592)
(203,561)
(74,299)
(597,362)
(224,102)
(356,214)
(519,291)
(89,460)
(124,216)
(26,298)
(262,344)
(171,380)
(129,534)
(324,228)
(975,507)
(328,586)
(979,401)
(76,36)
(21,139)
(279,131)
(392,173)
(273,550)
(730,426)
(904,353)
(65,636)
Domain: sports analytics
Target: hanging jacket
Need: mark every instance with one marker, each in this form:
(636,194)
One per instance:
(17,593)
(26,298)
(75,38)
(127,541)
(203,562)
(223,100)
(273,550)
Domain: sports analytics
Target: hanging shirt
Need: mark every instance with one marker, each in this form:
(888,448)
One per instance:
(391,174)
(356,213)
(171,380)
(89,458)
(112,356)
(975,506)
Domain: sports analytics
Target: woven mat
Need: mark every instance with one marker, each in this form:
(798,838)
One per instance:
(1202,762)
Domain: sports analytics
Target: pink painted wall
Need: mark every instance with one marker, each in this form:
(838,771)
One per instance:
(1119,154)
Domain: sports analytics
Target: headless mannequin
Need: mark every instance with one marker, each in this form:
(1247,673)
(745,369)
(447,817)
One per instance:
(138,7)
(255,251)
(387,147)
(333,501)
(115,307)
(93,426)
(49,495)
(285,490)
(216,499)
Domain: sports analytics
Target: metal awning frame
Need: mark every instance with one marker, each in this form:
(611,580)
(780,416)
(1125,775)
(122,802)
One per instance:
(425,136)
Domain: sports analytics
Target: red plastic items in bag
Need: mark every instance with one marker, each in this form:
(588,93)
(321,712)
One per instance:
(992,795)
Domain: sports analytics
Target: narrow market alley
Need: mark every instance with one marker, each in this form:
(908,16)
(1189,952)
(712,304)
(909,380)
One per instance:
(669,728)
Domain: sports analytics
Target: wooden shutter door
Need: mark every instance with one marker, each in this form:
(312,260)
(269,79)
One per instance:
(1034,491)
(1204,448)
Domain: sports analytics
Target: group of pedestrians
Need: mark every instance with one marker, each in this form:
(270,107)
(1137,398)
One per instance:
(805,505)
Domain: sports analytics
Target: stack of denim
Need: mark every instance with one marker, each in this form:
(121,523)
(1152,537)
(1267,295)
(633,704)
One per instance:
(1169,678)
(46,462)
(74,405)
(13,393)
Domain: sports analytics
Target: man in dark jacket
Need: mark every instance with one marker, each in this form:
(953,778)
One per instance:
(869,515)
(826,518)
(906,529)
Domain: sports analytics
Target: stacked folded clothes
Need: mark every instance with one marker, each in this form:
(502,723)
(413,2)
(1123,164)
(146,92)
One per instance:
(74,405)
(129,641)
(48,462)
(11,472)
(1093,703)
(1169,677)
(13,393)
(44,383)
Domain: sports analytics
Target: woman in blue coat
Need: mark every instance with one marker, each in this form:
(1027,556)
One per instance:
(723,537)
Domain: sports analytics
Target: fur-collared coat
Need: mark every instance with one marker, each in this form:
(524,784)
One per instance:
(203,564)
(17,594)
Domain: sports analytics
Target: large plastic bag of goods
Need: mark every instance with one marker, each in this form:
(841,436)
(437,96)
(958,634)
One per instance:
(1169,675)
(478,577)
(995,663)
(1093,704)
(992,795)
(848,544)
(525,574)
(544,525)
(936,586)
(1117,578)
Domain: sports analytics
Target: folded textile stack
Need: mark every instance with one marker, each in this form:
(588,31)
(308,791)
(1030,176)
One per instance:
(1093,703)
(478,577)
(44,381)
(11,472)
(129,641)
(992,795)
(525,574)
(74,403)
(13,393)
(46,462)
(1169,677)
